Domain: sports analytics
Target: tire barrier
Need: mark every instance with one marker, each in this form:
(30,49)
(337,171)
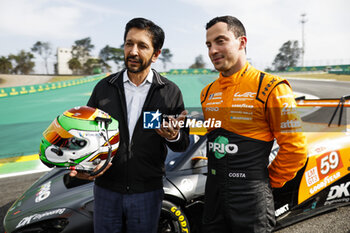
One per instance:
(32,89)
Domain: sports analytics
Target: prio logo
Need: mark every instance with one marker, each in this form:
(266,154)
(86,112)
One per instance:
(221,146)
(151,120)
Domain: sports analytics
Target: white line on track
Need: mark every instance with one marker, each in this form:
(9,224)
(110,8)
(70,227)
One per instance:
(24,173)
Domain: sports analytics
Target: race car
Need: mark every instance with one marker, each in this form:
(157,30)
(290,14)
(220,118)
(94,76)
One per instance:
(57,202)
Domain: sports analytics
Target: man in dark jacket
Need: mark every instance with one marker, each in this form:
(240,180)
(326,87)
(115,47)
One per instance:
(129,192)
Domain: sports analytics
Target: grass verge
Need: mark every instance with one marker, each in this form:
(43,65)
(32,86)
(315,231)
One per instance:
(64,78)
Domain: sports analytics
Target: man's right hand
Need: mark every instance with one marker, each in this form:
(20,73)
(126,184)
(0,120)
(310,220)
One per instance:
(87,176)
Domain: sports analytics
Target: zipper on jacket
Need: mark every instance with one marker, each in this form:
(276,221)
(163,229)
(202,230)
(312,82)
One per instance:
(130,142)
(121,93)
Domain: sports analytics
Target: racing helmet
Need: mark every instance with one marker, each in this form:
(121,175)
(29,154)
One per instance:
(80,139)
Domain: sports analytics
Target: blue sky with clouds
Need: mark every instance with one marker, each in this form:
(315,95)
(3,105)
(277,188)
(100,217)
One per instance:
(269,23)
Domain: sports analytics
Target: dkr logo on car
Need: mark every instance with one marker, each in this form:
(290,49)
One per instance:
(221,146)
(339,191)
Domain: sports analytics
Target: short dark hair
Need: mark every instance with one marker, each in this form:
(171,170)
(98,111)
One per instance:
(233,24)
(156,32)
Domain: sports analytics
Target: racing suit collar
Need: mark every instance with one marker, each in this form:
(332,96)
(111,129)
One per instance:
(235,78)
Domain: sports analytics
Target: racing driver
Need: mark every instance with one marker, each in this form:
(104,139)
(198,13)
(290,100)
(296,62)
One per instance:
(254,109)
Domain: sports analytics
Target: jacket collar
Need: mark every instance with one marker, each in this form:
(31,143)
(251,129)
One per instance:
(117,78)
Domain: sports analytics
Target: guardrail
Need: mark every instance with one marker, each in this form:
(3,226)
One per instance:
(190,71)
(318,68)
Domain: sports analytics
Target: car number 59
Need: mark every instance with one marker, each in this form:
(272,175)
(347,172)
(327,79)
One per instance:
(329,162)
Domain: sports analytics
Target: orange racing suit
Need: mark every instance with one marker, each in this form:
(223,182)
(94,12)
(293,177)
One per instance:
(254,109)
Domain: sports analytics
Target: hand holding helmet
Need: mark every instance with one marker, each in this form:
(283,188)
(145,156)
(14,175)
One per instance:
(82,139)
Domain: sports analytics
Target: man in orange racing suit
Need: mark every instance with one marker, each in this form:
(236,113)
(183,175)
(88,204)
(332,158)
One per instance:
(254,109)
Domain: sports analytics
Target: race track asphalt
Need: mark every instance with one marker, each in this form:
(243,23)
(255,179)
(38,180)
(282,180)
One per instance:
(333,222)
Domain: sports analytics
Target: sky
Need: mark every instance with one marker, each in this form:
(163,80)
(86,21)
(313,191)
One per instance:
(269,24)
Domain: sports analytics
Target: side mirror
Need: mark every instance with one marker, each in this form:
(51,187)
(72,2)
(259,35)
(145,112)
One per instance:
(199,161)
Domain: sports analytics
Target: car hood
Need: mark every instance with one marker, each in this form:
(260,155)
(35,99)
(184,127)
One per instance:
(50,196)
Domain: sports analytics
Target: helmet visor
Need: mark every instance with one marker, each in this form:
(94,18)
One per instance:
(57,135)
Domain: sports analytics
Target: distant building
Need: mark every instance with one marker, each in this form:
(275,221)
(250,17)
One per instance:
(63,56)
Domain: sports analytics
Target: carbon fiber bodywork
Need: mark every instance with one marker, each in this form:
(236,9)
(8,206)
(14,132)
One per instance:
(58,203)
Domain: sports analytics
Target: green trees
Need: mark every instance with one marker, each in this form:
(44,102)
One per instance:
(80,61)
(83,63)
(198,62)
(109,53)
(44,50)
(165,57)
(75,65)
(81,50)
(92,66)
(23,62)
(20,63)
(288,56)
(5,65)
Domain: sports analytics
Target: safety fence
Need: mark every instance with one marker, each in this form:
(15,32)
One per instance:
(331,69)
(190,71)
(38,88)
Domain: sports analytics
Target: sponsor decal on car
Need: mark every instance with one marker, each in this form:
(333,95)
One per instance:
(322,170)
(311,176)
(181,218)
(326,181)
(328,163)
(44,192)
(338,193)
(36,217)
(187,185)
(282,210)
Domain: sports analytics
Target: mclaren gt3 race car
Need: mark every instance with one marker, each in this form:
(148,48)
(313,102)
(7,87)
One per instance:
(58,203)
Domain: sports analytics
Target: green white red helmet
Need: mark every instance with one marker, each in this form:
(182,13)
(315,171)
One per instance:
(80,138)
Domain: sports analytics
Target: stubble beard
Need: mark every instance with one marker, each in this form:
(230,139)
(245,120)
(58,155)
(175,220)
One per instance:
(142,67)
